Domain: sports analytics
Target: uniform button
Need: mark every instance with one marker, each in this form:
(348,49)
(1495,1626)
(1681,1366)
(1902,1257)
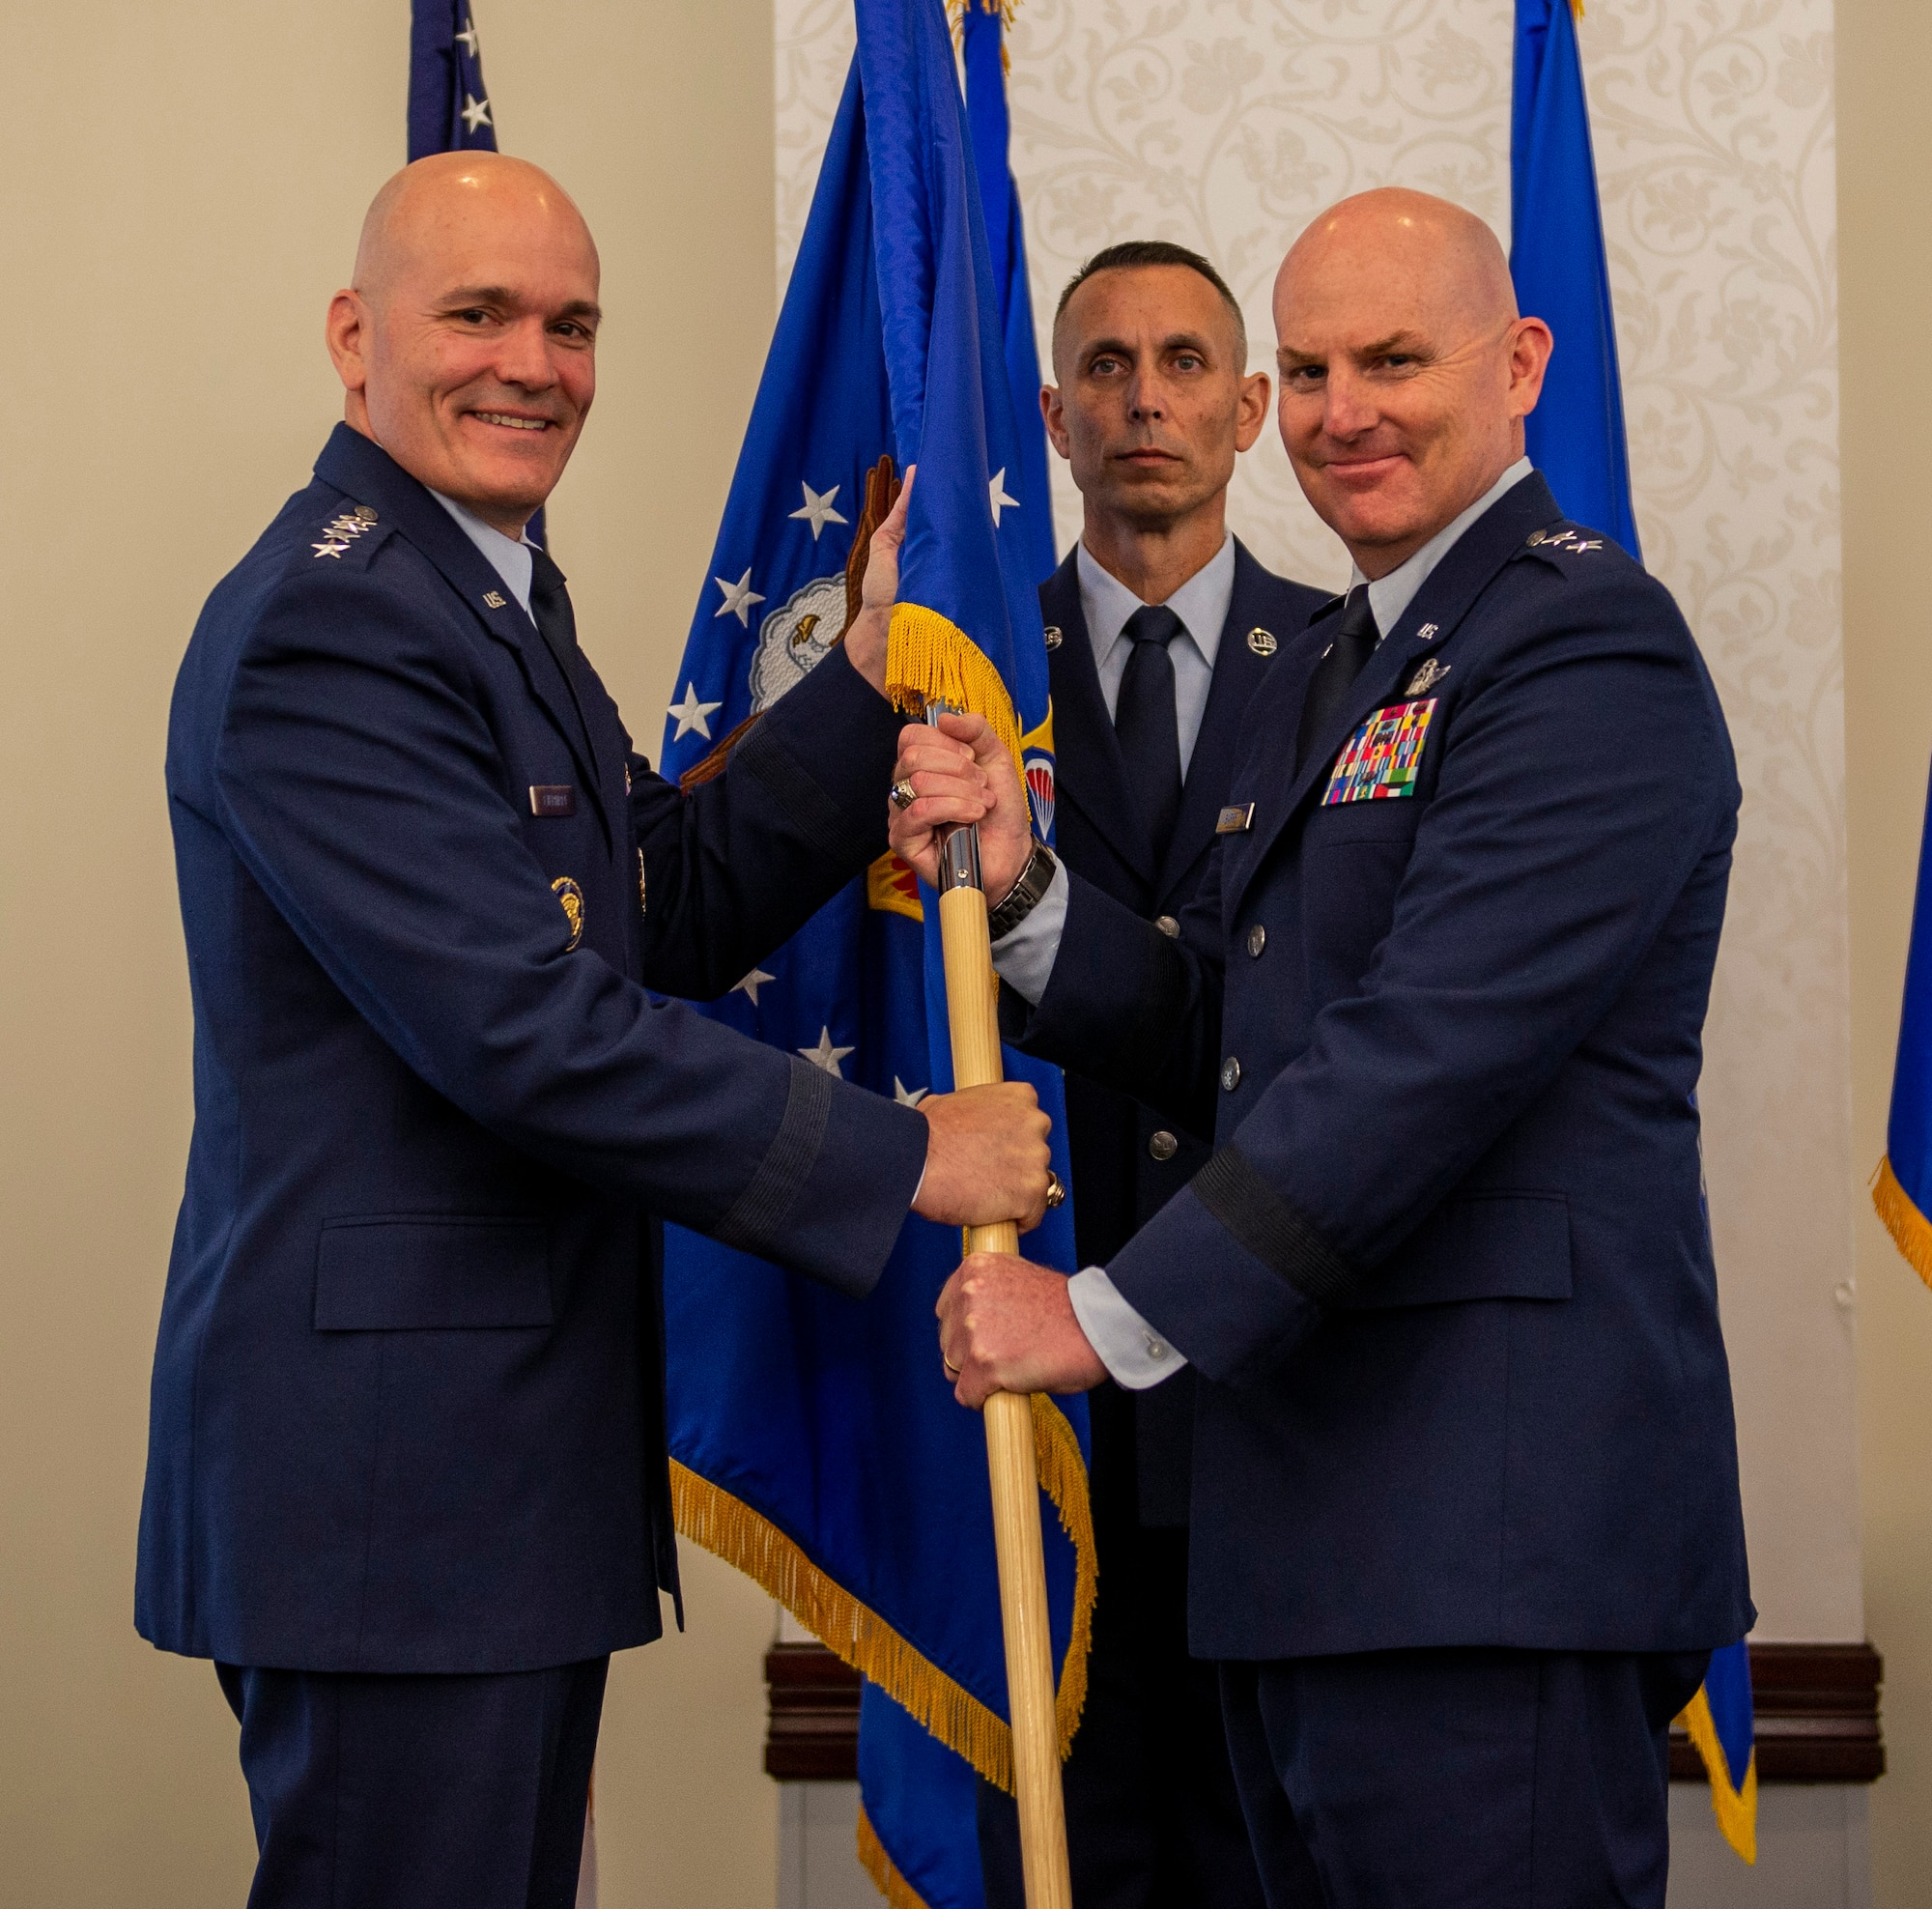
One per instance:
(1167,925)
(1231,1073)
(1163,1146)
(1257,939)
(1155,1350)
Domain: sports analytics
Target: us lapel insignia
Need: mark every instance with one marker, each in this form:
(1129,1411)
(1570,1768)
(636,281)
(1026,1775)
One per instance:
(494,599)
(1053,638)
(1380,761)
(1427,634)
(571,897)
(1235,819)
(1262,641)
(1427,677)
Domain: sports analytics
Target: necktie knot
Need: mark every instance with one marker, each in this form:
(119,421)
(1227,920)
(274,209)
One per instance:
(1152,623)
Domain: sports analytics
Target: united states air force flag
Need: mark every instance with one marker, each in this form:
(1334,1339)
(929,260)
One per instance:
(1576,434)
(816,1441)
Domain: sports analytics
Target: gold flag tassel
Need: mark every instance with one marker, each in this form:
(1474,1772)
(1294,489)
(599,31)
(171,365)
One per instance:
(1911,1231)
(929,659)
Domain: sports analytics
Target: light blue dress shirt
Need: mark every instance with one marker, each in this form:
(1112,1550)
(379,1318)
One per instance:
(1131,1349)
(1202,605)
(509,557)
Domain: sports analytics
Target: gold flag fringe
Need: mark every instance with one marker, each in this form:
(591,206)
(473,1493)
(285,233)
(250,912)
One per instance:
(1910,1230)
(1063,1476)
(877,1864)
(726,1526)
(1736,1809)
(930,659)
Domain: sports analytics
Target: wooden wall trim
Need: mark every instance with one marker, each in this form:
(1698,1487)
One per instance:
(1816,1706)
(1815,1712)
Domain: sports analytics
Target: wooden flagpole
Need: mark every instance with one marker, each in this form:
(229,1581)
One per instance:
(971,1013)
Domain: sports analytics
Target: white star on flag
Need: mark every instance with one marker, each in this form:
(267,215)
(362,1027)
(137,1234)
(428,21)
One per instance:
(908,1097)
(825,1055)
(819,511)
(475,112)
(739,597)
(752,983)
(468,36)
(691,715)
(996,492)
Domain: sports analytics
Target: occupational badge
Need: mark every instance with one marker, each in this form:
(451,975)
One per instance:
(571,898)
(1427,677)
(1380,761)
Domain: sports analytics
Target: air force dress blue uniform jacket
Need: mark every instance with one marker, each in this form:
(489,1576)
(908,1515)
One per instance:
(1447,1278)
(408,1398)
(1123,1175)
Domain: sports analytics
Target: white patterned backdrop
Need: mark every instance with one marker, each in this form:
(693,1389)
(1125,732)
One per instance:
(1227,125)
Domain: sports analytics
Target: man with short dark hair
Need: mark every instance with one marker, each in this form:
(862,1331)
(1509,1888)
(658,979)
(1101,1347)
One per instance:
(407,1475)
(1466,1512)
(1160,627)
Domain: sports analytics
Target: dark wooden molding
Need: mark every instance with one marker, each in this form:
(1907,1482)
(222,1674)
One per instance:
(1816,1716)
(814,1731)
(1815,1712)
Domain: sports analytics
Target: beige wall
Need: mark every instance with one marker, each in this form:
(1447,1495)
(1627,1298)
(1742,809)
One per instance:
(1885,53)
(179,192)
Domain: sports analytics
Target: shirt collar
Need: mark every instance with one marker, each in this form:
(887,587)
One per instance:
(509,557)
(1201,602)
(1389,597)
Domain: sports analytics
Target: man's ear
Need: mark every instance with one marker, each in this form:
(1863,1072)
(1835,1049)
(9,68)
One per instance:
(1054,413)
(1530,345)
(1252,413)
(345,332)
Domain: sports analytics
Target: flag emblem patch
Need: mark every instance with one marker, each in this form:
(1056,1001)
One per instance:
(1380,762)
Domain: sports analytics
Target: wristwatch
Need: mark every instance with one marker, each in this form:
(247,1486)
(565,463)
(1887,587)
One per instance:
(1024,896)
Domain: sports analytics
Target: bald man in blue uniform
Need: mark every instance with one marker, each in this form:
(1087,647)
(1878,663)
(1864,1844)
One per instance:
(1466,1522)
(407,1478)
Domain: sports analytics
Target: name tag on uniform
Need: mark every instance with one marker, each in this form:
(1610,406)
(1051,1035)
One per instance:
(1380,760)
(553,799)
(1235,819)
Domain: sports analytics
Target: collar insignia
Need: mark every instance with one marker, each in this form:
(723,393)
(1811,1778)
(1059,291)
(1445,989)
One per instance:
(1262,641)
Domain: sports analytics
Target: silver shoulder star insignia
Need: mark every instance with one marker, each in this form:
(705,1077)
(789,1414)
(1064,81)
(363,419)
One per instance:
(332,547)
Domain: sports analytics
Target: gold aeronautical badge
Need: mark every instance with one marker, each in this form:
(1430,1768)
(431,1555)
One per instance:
(571,898)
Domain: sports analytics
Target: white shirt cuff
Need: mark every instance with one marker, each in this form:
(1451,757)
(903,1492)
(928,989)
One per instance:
(1024,958)
(1133,1353)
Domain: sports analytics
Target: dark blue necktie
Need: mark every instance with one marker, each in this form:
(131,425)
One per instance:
(1355,641)
(1147,725)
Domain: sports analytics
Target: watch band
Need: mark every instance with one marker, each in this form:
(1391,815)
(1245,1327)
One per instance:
(1024,896)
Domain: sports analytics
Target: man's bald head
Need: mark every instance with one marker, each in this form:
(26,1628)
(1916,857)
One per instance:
(467,338)
(1405,371)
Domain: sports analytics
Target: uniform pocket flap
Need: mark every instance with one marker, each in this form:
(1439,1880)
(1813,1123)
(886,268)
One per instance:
(393,1272)
(1481,1246)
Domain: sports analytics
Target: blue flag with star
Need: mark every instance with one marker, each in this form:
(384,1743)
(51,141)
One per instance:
(814,1439)
(449,106)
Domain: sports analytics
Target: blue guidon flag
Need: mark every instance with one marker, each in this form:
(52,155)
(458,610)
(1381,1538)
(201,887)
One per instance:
(1576,434)
(814,1440)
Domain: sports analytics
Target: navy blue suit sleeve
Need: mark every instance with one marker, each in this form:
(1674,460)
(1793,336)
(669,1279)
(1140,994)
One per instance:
(1585,777)
(742,861)
(363,790)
